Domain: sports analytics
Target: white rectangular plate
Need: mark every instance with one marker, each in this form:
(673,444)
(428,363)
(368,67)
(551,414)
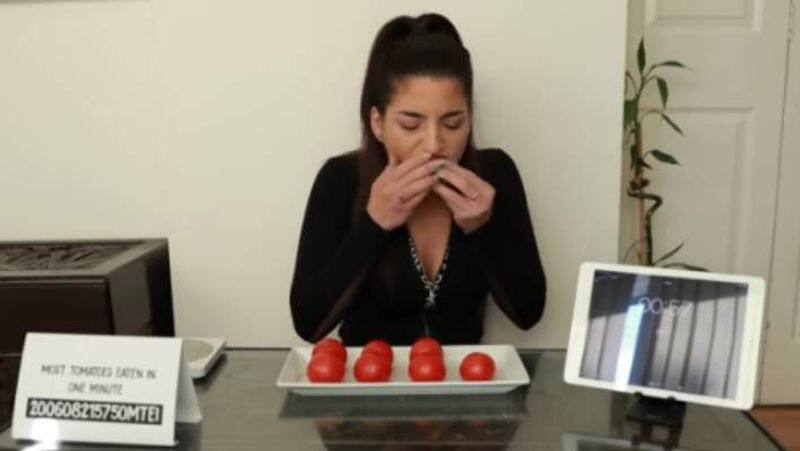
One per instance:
(509,374)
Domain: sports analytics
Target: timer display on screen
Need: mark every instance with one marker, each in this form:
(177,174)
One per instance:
(657,306)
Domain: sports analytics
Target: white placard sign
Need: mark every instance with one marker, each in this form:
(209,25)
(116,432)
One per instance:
(102,389)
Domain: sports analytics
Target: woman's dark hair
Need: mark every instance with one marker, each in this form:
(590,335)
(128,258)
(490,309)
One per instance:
(425,45)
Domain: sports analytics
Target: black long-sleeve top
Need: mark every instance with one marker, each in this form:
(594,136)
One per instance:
(351,271)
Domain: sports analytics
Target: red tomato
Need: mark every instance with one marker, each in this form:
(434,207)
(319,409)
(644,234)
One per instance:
(331,346)
(426,345)
(380,347)
(372,368)
(325,367)
(477,366)
(427,368)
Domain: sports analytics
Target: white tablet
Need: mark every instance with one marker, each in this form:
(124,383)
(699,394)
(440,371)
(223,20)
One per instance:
(665,333)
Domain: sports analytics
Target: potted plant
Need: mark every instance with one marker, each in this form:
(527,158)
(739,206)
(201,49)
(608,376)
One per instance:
(642,161)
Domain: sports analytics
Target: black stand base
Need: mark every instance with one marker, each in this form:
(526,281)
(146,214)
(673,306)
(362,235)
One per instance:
(665,412)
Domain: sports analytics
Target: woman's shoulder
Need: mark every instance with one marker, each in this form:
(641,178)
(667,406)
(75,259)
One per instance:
(341,165)
(339,172)
(335,184)
(493,155)
(495,162)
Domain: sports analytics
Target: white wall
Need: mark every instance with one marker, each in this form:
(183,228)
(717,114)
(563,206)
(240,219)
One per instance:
(206,121)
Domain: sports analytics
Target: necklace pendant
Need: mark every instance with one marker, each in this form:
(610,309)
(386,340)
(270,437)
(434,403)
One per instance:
(430,301)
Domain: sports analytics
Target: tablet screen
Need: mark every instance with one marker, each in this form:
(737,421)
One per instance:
(663,332)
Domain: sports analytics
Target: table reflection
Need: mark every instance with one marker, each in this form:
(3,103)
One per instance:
(476,434)
(587,442)
(396,422)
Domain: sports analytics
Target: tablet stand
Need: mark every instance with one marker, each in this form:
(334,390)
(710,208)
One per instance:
(665,412)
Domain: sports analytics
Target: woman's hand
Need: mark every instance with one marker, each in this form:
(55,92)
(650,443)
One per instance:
(400,188)
(469,197)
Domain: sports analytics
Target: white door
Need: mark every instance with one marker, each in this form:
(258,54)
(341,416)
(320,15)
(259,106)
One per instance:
(722,199)
(781,370)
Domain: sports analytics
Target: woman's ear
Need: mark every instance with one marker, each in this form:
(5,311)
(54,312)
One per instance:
(376,123)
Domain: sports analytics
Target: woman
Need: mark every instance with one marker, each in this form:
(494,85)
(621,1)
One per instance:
(406,236)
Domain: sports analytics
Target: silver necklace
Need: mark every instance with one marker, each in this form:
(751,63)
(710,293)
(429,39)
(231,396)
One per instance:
(431,286)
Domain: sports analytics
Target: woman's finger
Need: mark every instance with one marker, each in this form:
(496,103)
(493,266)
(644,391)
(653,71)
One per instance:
(451,197)
(414,201)
(466,188)
(409,165)
(421,172)
(422,185)
(470,176)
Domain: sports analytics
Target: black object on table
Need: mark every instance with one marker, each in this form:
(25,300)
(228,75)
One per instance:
(243,409)
(664,412)
(102,287)
(9,368)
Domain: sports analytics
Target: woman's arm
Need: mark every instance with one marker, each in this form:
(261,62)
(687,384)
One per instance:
(506,245)
(333,256)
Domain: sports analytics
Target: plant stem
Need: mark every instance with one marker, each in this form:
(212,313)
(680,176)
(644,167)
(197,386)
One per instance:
(647,257)
(642,254)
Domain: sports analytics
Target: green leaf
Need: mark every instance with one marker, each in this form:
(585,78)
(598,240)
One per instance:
(670,122)
(633,156)
(644,163)
(629,114)
(664,157)
(686,266)
(671,63)
(669,254)
(663,90)
(640,56)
